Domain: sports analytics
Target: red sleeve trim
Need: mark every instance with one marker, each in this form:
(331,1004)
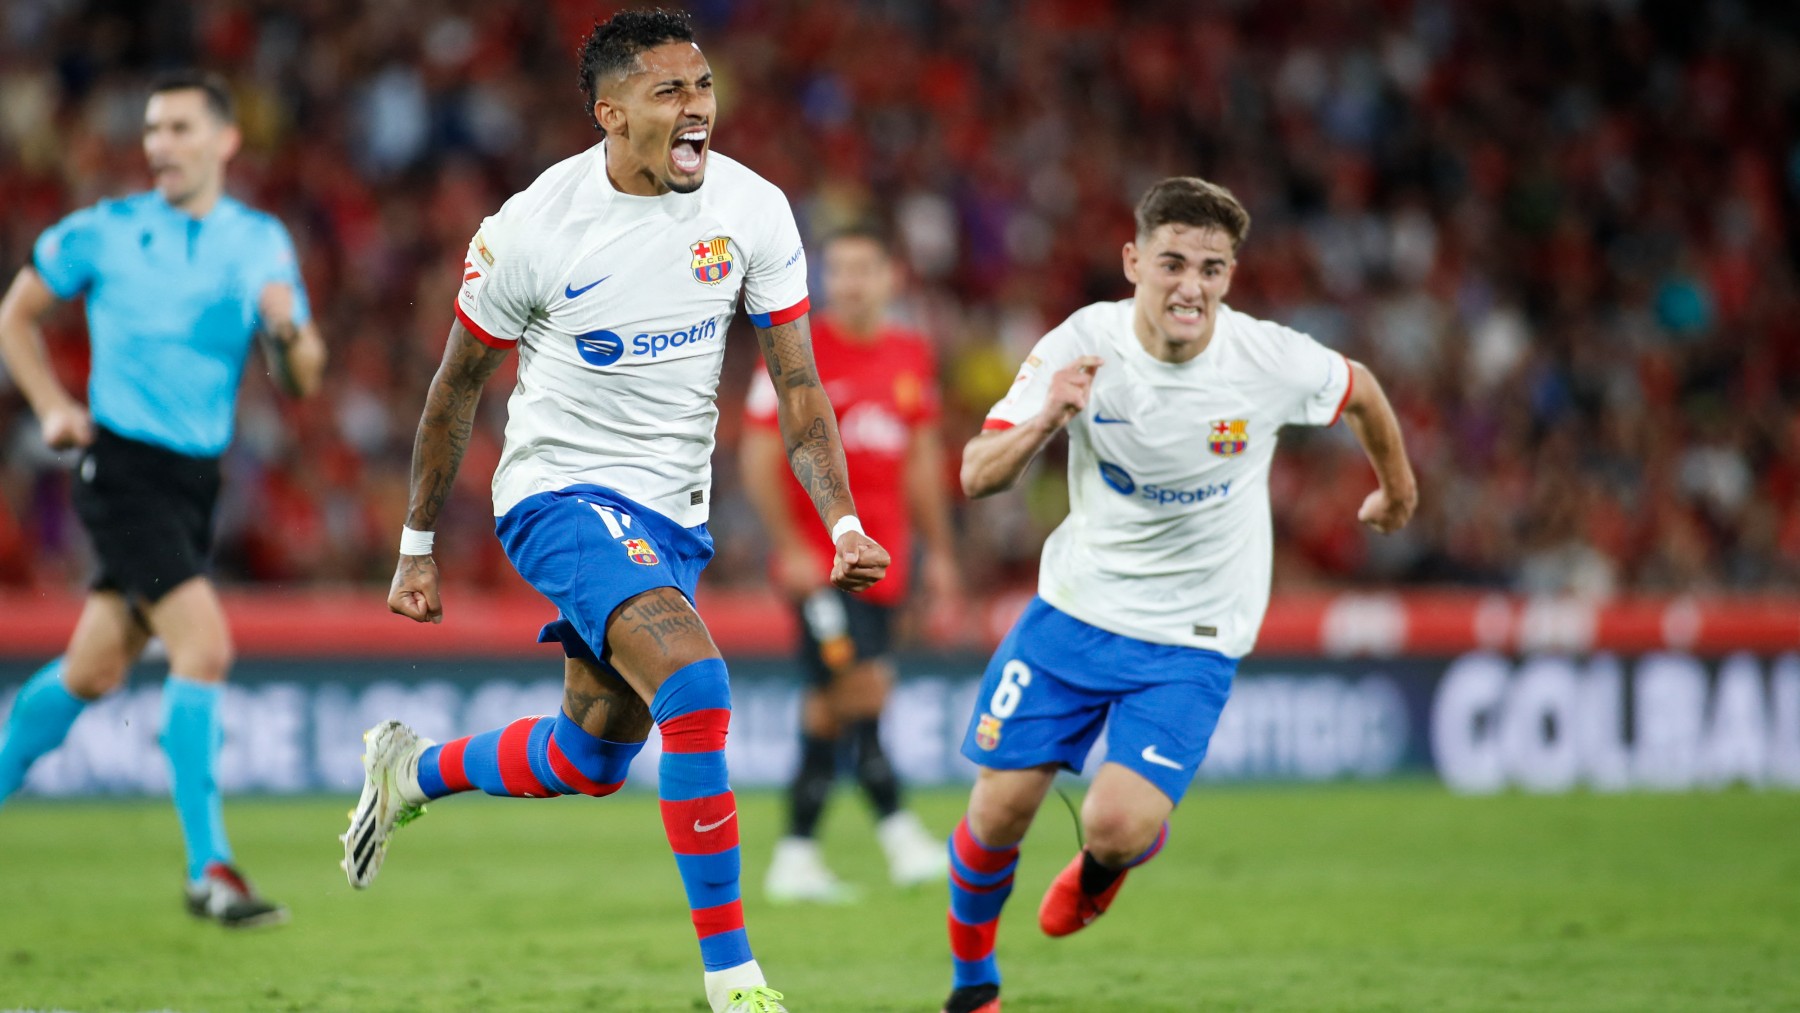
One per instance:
(1349,385)
(785,316)
(481,333)
(995,424)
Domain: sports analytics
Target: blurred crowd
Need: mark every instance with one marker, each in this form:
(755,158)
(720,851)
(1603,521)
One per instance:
(1564,234)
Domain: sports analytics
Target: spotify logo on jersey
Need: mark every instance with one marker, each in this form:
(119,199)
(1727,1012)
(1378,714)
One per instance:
(600,348)
(1117,477)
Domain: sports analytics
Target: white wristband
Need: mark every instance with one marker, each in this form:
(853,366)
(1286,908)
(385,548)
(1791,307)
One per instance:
(848,522)
(416,543)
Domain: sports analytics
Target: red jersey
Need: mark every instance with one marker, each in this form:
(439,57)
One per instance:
(882,390)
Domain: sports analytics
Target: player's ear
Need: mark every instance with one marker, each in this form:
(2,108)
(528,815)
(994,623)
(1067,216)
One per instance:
(610,115)
(1129,256)
(230,140)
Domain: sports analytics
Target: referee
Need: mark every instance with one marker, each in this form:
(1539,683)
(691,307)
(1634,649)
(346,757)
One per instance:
(178,280)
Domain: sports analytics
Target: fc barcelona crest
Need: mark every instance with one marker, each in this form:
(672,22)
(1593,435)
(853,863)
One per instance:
(639,551)
(1229,438)
(712,260)
(987,732)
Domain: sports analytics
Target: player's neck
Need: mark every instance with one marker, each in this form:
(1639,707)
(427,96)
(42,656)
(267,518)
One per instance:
(200,203)
(632,180)
(861,329)
(1172,352)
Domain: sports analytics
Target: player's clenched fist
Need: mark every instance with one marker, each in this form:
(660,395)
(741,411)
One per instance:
(1069,390)
(414,593)
(860,562)
(1386,512)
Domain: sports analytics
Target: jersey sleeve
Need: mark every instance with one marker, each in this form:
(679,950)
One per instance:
(761,405)
(775,281)
(67,254)
(1318,378)
(280,263)
(1029,389)
(495,300)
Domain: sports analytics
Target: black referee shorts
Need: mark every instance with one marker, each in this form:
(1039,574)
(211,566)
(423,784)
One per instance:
(149,511)
(838,628)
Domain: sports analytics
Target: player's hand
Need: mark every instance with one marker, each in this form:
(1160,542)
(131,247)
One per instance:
(860,562)
(67,427)
(414,593)
(797,570)
(946,610)
(1070,387)
(275,310)
(1386,512)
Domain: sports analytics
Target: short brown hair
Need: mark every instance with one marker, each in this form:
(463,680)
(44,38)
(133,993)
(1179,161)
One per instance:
(1192,201)
(211,87)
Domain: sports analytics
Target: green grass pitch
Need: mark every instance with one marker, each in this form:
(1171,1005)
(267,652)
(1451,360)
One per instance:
(1393,898)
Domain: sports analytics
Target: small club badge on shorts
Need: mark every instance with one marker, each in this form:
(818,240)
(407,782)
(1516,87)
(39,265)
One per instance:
(987,732)
(639,551)
(712,260)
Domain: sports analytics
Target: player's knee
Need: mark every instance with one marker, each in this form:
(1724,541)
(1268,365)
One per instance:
(206,661)
(93,678)
(999,822)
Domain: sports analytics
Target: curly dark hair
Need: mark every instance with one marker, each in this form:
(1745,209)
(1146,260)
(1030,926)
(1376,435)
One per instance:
(614,44)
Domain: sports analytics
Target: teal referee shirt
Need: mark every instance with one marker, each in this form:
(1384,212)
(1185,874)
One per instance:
(171,310)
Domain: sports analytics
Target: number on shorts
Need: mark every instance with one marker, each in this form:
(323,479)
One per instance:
(611,519)
(1013,680)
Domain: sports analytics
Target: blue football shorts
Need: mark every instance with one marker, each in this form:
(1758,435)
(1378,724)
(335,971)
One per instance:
(589,550)
(1056,681)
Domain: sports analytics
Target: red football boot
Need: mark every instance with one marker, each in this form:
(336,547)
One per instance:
(974,999)
(1066,910)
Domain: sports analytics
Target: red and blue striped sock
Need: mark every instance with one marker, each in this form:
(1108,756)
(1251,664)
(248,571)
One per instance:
(981,878)
(693,710)
(539,757)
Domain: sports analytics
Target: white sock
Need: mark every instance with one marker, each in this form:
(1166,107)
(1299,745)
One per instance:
(720,983)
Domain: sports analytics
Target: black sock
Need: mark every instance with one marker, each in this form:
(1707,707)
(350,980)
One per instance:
(812,784)
(1095,878)
(873,770)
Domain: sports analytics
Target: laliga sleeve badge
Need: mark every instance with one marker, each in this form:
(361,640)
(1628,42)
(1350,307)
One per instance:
(639,551)
(712,260)
(987,732)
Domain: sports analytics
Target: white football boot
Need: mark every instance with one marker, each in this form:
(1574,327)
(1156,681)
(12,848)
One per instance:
(391,798)
(798,875)
(914,856)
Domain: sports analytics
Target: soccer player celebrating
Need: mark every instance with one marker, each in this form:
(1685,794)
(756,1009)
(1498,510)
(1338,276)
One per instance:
(883,383)
(616,275)
(177,282)
(1157,581)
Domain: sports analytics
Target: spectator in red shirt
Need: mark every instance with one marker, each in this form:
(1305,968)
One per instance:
(883,382)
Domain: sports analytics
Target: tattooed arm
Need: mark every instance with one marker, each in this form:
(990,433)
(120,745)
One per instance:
(438,448)
(809,429)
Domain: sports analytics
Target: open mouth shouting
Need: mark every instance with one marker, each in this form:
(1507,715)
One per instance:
(1186,315)
(688,151)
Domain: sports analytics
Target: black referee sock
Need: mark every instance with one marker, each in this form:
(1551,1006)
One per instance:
(1096,878)
(873,770)
(812,784)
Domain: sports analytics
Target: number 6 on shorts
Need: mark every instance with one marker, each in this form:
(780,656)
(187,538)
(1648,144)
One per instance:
(1013,680)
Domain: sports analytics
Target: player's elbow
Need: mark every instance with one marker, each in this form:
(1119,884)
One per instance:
(979,478)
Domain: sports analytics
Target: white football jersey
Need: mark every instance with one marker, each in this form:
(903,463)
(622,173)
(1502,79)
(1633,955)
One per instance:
(1168,536)
(619,306)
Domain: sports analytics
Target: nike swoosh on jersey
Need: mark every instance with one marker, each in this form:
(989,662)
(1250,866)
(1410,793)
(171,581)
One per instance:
(572,292)
(705,828)
(1103,420)
(1150,755)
